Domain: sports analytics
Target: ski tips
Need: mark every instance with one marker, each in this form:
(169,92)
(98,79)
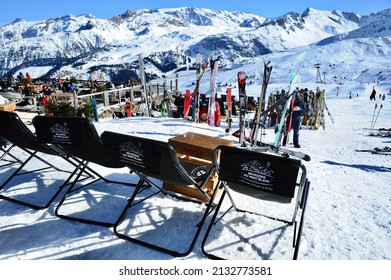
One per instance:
(242,75)
(293,75)
(307,158)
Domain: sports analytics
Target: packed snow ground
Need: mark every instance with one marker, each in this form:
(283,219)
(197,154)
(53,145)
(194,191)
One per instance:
(348,212)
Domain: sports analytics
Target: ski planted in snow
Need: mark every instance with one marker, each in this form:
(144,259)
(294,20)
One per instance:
(214,63)
(94,109)
(186,104)
(195,96)
(322,105)
(261,103)
(289,121)
(242,105)
(282,123)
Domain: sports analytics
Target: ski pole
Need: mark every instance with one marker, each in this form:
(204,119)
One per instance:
(328,112)
(378,112)
(373,115)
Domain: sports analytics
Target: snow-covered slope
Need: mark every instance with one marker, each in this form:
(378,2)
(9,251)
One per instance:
(347,216)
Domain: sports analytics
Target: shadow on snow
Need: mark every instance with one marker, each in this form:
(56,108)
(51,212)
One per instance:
(364,167)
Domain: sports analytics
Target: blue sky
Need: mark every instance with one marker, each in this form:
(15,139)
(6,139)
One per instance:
(32,10)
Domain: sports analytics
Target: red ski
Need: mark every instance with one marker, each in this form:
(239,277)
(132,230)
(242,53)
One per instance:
(186,105)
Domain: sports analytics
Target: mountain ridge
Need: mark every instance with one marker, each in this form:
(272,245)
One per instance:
(169,39)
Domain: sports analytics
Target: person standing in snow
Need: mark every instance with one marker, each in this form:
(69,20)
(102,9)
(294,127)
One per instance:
(29,79)
(373,94)
(179,102)
(20,77)
(298,112)
(10,79)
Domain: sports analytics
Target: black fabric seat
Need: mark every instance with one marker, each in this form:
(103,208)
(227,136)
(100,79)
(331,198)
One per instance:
(78,137)
(156,161)
(266,203)
(33,163)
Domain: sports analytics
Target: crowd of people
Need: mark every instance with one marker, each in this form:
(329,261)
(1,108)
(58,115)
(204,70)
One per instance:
(296,113)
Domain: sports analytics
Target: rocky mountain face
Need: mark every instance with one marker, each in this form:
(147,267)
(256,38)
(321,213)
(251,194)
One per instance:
(168,39)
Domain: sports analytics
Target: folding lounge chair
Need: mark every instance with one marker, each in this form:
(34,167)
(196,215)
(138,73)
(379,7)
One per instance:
(264,214)
(30,184)
(6,157)
(150,215)
(78,138)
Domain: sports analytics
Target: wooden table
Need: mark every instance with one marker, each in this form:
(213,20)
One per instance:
(196,148)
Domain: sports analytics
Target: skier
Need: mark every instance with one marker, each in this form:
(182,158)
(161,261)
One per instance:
(298,112)
(179,102)
(373,94)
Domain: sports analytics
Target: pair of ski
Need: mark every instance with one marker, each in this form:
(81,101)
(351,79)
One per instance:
(213,90)
(195,96)
(379,151)
(260,112)
(260,116)
(381,132)
(284,127)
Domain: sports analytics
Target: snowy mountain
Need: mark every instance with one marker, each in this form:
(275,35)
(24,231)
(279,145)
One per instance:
(348,211)
(85,46)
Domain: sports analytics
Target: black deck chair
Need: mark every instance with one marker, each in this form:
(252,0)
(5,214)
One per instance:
(6,156)
(264,213)
(152,214)
(78,137)
(32,162)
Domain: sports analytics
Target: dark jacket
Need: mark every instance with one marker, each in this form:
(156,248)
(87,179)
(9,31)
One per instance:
(299,108)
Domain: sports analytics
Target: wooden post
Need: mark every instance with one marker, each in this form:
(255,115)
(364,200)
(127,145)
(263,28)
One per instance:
(143,82)
(105,98)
